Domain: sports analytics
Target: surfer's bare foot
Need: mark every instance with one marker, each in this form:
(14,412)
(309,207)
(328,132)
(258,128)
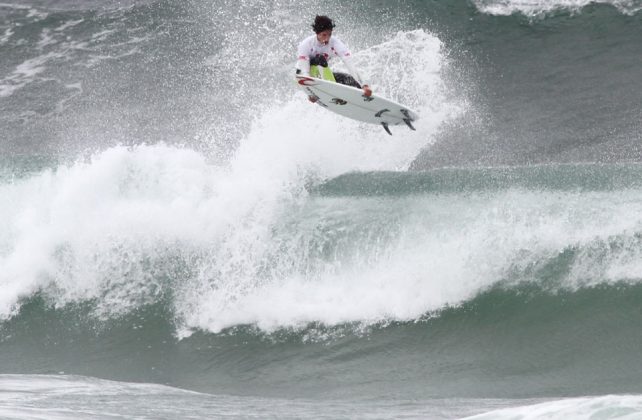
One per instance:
(367,91)
(313,99)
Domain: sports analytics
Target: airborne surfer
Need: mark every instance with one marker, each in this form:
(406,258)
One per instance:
(315,51)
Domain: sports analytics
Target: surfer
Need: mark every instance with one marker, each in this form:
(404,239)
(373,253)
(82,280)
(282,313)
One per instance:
(317,49)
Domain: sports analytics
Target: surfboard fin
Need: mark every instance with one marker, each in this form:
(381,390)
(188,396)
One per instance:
(409,124)
(407,120)
(380,113)
(385,127)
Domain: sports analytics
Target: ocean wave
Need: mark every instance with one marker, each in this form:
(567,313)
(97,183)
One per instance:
(536,8)
(231,246)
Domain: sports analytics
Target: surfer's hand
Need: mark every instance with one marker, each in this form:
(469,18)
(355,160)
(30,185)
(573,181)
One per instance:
(312,99)
(367,91)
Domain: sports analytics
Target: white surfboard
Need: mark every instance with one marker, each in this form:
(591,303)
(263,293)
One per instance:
(352,103)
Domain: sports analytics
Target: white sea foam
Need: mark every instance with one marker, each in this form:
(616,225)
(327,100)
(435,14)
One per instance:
(245,244)
(68,24)
(32,12)
(447,250)
(102,35)
(14,6)
(38,14)
(25,73)
(66,397)
(6,36)
(621,407)
(542,7)
(46,38)
(95,59)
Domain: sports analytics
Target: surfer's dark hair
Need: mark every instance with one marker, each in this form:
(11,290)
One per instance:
(322,23)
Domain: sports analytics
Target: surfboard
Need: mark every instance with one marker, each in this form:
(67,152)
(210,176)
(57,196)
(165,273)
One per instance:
(350,102)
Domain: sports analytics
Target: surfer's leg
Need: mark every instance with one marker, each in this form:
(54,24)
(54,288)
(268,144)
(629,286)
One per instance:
(322,71)
(346,79)
(318,60)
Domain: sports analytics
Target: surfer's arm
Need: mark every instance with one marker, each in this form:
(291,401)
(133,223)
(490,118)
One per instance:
(347,60)
(303,59)
(303,65)
(342,51)
(303,68)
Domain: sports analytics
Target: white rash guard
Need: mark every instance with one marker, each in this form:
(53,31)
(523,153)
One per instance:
(311,47)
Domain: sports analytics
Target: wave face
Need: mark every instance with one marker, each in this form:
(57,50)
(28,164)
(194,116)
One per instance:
(174,212)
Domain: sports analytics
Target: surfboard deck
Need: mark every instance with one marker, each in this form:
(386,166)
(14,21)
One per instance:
(350,102)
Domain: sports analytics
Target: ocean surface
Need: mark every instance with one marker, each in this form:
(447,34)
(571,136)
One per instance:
(183,235)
